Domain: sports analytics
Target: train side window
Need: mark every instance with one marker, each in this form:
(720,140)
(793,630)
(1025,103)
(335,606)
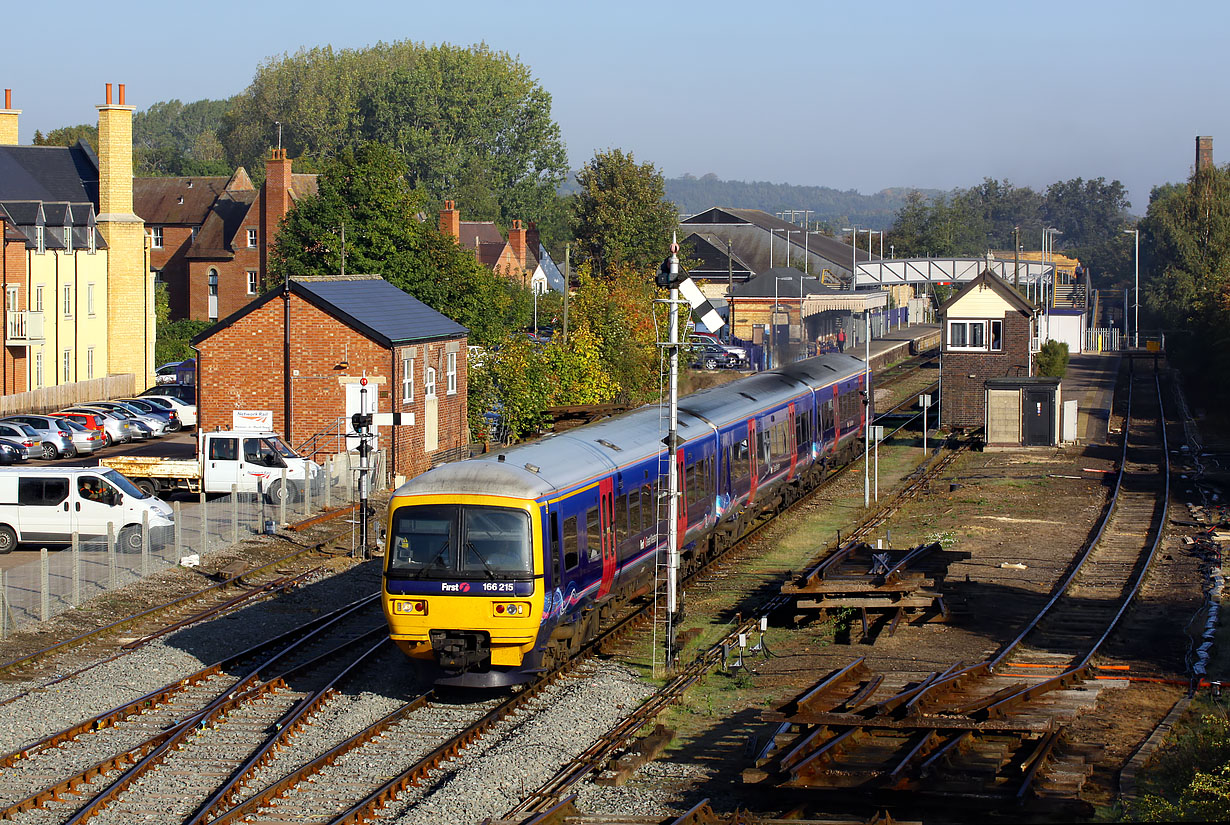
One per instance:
(740,464)
(572,555)
(647,508)
(621,519)
(555,545)
(593,534)
(634,511)
(689,486)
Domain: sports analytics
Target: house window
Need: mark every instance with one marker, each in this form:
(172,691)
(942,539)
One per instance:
(89,299)
(407,378)
(10,299)
(38,298)
(38,368)
(251,239)
(155,234)
(40,239)
(68,239)
(452,373)
(89,233)
(429,383)
(253,281)
(68,301)
(68,365)
(89,363)
(987,336)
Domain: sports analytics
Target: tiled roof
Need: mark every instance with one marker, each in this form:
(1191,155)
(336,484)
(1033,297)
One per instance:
(366,303)
(781,282)
(476,233)
(217,234)
(303,184)
(176,201)
(49,173)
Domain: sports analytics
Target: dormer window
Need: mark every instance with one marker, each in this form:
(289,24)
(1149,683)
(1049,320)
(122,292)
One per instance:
(89,231)
(155,233)
(40,239)
(68,239)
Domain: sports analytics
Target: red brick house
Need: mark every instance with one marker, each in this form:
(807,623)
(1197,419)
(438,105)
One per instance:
(342,330)
(517,258)
(990,332)
(210,236)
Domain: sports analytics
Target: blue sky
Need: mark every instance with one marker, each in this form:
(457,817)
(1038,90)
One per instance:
(849,95)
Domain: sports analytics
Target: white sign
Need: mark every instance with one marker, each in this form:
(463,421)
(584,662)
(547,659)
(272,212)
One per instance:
(924,401)
(259,420)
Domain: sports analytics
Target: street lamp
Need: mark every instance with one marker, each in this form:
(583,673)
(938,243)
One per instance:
(853,253)
(1136,326)
(867,409)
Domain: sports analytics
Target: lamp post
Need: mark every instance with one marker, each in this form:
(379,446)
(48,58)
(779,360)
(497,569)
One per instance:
(867,409)
(1135,233)
(853,253)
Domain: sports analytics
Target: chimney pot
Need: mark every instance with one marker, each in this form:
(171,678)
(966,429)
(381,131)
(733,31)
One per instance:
(108,94)
(8,98)
(121,94)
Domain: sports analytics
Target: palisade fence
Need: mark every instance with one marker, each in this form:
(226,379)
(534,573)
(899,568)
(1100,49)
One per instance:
(63,579)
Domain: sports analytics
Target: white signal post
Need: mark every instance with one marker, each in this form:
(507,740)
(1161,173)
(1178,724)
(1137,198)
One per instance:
(672,476)
(924,401)
(877,434)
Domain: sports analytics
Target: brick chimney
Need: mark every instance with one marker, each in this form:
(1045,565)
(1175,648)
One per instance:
(115,156)
(450,220)
(1204,153)
(532,241)
(8,120)
(516,239)
(275,203)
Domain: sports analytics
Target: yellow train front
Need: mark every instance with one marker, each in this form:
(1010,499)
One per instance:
(463,578)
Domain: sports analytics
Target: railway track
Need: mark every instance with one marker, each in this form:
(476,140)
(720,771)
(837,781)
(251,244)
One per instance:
(989,731)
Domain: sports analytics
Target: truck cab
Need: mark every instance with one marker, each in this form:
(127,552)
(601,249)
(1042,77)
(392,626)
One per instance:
(252,462)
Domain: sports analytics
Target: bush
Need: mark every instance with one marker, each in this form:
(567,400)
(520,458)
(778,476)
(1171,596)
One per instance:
(1053,359)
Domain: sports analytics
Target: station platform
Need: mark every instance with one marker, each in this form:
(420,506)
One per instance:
(1090,380)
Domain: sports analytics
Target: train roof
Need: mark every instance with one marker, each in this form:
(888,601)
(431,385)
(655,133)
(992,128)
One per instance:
(822,369)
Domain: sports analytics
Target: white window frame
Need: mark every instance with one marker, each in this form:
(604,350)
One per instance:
(155,233)
(38,369)
(89,300)
(89,363)
(451,374)
(973,328)
(252,239)
(68,364)
(68,239)
(68,300)
(40,239)
(429,383)
(253,281)
(93,243)
(12,295)
(38,298)
(407,378)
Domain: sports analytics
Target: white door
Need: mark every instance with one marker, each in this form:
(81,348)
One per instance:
(364,399)
(95,506)
(221,463)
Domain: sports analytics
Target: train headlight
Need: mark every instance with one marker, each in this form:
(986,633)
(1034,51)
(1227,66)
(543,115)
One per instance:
(415,607)
(513,610)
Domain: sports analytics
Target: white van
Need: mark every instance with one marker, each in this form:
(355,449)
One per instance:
(48,504)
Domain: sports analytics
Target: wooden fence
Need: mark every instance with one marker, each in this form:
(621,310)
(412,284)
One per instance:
(50,399)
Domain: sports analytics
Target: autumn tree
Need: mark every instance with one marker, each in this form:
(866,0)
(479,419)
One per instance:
(621,217)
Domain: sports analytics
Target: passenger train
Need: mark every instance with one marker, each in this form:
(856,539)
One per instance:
(500,566)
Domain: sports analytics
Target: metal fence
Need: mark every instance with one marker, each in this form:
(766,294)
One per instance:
(1105,339)
(62,579)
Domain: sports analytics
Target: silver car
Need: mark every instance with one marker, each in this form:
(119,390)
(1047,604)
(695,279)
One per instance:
(157,426)
(55,439)
(120,429)
(86,441)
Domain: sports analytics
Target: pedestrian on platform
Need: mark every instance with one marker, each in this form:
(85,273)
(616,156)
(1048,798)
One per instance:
(841,340)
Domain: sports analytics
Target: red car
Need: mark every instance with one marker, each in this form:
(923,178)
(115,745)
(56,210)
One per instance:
(89,421)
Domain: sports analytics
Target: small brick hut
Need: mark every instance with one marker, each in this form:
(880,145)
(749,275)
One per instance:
(989,330)
(343,329)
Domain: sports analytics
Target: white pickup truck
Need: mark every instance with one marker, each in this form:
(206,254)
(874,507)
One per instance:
(246,461)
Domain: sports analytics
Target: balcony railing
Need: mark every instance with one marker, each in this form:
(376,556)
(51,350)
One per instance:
(23,328)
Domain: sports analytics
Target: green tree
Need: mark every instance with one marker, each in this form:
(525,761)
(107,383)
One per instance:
(68,136)
(175,138)
(366,191)
(172,342)
(1053,359)
(621,216)
(618,312)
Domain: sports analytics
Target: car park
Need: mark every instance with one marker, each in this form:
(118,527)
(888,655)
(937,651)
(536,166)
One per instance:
(713,356)
(54,441)
(186,411)
(169,416)
(86,441)
(157,426)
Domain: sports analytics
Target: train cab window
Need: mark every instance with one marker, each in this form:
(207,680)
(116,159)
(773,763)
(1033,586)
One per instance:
(593,534)
(450,541)
(572,553)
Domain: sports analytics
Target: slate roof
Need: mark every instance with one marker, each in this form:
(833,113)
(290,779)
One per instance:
(366,303)
(49,173)
(710,250)
(217,233)
(762,286)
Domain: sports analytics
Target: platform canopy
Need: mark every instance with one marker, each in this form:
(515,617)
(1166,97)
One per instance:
(861,301)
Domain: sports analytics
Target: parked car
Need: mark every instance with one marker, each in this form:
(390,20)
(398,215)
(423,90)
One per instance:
(9,454)
(157,426)
(166,373)
(184,392)
(186,411)
(120,428)
(86,441)
(714,356)
(48,443)
(23,454)
(53,433)
(144,405)
(110,429)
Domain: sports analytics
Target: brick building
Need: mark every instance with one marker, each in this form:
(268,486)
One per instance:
(522,257)
(989,332)
(343,329)
(210,236)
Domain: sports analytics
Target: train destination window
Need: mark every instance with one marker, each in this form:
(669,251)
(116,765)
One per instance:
(451,541)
